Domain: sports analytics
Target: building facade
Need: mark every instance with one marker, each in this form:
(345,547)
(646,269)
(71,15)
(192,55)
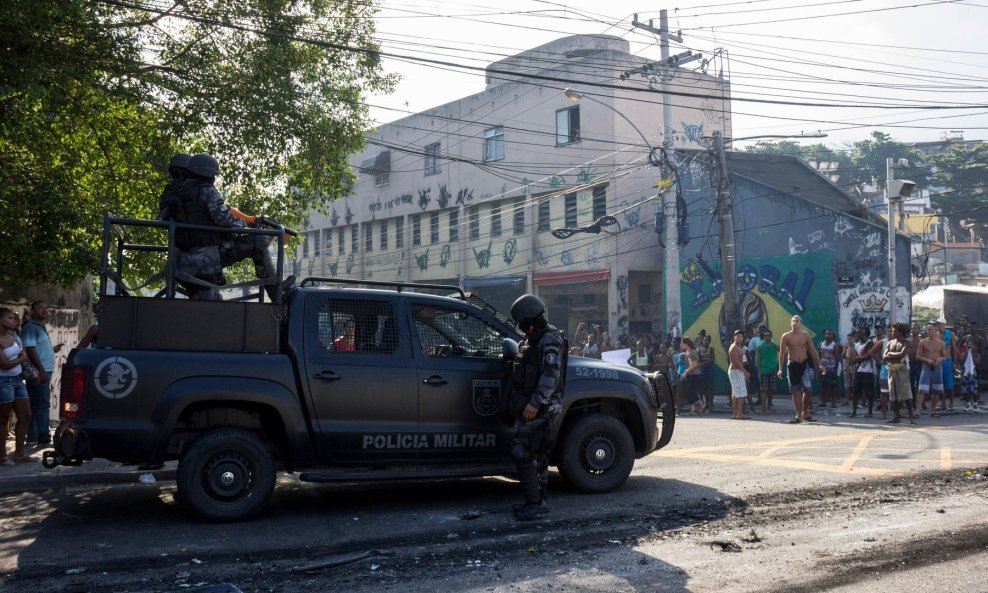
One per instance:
(468,193)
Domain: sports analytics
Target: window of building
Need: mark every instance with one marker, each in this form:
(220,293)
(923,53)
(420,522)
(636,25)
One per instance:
(384,234)
(342,241)
(599,201)
(400,234)
(494,144)
(305,245)
(432,159)
(368,237)
(454,226)
(379,166)
(473,218)
(434,228)
(544,215)
(354,238)
(416,230)
(496,220)
(568,125)
(518,222)
(329,241)
(570,202)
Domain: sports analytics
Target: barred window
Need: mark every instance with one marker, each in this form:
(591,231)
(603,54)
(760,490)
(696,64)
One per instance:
(353,327)
(342,241)
(384,234)
(434,228)
(416,230)
(518,223)
(496,220)
(446,331)
(454,226)
(544,215)
(473,220)
(400,233)
(599,201)
(570,202)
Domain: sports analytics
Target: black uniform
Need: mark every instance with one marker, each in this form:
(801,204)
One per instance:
(204,254)
(538,378)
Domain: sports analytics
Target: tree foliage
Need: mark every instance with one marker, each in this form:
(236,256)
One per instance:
(95,97)
(963,173)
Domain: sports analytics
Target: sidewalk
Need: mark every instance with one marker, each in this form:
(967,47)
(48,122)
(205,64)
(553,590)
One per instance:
(33,477)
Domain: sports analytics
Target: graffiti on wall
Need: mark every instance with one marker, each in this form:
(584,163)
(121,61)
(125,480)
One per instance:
(770,292)
(510,251)
(866,306)
(483,257)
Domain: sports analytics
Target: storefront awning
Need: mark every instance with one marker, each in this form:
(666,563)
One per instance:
(489,282)
(559,278)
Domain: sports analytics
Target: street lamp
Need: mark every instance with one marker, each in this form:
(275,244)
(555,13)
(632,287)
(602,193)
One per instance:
(895,191)
(671,263)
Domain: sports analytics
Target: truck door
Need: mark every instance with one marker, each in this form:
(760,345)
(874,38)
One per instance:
(460,372)
(361,379)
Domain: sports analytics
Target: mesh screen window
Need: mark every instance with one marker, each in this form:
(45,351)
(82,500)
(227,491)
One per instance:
(358,327)
(448,332)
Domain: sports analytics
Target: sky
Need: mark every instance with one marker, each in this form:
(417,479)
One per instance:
(910,68)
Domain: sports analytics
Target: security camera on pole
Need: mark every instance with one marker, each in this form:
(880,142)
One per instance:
(895,191)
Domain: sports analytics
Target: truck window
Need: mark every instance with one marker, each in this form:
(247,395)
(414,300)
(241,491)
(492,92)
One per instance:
(355,326)
(447,331)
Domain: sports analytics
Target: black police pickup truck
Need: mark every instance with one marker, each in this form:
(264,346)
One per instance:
(336,382)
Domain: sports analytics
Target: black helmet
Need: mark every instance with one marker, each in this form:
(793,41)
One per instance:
(528,306)
(180,160)
(204,165)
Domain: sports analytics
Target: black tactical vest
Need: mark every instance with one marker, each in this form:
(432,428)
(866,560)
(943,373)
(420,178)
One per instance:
(194,211)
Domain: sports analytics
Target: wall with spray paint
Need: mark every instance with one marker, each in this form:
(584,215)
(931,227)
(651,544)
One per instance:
(794,256)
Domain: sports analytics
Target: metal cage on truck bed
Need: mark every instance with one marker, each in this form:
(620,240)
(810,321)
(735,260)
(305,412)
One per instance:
(154,315)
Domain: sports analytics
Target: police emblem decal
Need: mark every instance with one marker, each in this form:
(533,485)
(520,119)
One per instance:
(486,396)
(115,377)
(551,358)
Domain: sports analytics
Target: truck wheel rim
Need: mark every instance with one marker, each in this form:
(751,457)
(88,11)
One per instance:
(598,454)
(228,475)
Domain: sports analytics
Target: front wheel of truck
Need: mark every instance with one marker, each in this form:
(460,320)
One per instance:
(226,475)
(597,454)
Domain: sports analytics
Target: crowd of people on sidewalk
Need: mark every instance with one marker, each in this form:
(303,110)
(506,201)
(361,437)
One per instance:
(910,371)
(27,363)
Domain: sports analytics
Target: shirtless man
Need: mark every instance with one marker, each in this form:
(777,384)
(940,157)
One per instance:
(931,353)
(797,346)
(738,376)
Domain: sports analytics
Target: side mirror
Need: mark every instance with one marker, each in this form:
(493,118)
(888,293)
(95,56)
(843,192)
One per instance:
(509,348)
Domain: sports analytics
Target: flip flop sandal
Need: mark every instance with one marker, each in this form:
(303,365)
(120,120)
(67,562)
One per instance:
(795,421)
(809,419)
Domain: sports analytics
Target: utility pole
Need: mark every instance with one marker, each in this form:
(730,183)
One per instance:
(671,262)
(889,175)
(725,218)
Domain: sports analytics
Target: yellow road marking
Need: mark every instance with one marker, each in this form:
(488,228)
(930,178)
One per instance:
(856,453)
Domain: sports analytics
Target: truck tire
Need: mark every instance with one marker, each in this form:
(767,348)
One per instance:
(226,475)
(597,454)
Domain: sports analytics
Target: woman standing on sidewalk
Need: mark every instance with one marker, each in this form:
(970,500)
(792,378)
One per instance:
(13,392)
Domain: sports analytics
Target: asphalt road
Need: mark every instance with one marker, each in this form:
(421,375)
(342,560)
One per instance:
(857,493)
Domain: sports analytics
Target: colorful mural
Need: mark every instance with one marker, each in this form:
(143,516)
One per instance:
(771,291)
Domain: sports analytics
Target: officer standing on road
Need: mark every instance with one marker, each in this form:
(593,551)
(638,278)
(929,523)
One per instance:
(538,378)
(204,254)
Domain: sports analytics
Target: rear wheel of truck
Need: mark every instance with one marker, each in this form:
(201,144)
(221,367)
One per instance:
(597,454)
(226,475)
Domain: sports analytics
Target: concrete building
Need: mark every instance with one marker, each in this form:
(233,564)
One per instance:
(467,193)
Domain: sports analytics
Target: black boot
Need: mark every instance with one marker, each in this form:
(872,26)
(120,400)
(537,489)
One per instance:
(531,510)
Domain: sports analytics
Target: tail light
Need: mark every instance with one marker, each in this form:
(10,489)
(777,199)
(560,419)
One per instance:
(73,393)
